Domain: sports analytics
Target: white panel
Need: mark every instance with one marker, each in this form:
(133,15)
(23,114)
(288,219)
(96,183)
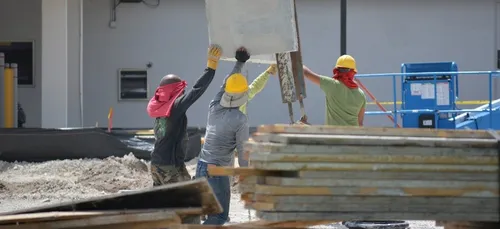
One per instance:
(261,26)
(54,64)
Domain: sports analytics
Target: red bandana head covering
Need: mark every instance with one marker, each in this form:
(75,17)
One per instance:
(347,78)
(161,103)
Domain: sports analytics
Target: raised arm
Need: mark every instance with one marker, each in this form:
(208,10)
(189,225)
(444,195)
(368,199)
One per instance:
(313,77)
(241,56)
(260,82)
(201,85)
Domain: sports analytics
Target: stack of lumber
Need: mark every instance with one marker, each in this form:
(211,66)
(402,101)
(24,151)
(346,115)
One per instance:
(351,173)
(157,207)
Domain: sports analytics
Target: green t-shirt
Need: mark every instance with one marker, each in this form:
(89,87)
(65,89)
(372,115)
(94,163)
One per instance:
(342,103)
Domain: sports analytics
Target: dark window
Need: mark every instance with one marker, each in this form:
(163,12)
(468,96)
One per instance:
(133,84)
(20,53)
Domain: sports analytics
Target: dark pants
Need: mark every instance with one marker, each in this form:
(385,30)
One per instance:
(222,190)
(166,174)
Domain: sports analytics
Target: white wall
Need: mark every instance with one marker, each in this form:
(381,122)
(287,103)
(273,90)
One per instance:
(382,34)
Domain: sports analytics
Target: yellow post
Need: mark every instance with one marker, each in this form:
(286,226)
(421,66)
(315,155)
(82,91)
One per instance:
(8,97)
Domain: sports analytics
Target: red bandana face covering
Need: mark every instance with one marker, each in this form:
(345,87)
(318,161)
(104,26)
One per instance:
(161,104)
(347,78)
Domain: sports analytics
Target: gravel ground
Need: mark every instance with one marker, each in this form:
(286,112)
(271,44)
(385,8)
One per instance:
(24,185)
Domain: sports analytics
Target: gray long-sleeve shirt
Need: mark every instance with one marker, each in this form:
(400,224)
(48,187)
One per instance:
(227,129)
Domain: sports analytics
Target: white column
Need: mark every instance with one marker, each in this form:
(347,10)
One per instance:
(54,64)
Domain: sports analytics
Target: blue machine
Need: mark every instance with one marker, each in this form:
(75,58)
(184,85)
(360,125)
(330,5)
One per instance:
(433,92)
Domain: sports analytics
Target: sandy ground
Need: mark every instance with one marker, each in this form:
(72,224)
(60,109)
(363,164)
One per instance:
(25,185)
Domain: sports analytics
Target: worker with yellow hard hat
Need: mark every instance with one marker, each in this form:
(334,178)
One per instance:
(345,101)
(227,130)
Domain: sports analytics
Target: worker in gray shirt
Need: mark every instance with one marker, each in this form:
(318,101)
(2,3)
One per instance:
(227,130)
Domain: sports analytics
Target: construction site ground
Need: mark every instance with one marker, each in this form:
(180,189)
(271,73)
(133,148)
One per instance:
(24,185)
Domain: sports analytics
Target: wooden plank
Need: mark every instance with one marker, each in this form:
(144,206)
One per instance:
(303,166)
(240,171)
(397,159)
(195,193)
(323,139)
(378,216)
(137,220)
(53,216)
(373,191)
(377,207)
(400,175)
(382,200)
(325,182)
(365,150)
(375,131)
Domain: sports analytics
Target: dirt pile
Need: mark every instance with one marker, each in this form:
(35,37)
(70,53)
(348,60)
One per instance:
(72,179)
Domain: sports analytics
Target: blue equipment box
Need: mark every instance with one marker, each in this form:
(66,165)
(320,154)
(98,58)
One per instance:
(431,92)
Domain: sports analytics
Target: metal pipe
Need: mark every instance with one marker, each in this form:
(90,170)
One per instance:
(2,69)
(343,27)
(80,66)
(490,96)
(494,74)
(15,92)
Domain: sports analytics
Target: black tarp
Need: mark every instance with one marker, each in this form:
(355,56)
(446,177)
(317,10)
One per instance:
(37,144)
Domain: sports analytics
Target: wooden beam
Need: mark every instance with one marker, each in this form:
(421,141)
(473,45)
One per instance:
(298,149)
(397,159)
(377,216)
(375,131)
(346,182)
(319,166)
(372,191)
(195,193)
(377,175)
(394,207)
(316,139)
(133,220)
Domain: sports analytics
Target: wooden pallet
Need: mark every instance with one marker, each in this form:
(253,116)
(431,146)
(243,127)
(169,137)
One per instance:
(354,173)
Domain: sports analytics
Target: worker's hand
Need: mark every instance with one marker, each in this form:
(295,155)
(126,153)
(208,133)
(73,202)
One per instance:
(272,69)
(242,55)
(214,54)
(305,68)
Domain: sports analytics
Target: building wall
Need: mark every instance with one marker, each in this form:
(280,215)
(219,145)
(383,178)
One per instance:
(29,27)
(25,28)
(382,34)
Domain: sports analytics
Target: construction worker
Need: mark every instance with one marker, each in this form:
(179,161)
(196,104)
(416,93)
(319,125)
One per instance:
(227,130)
(168,107)
(345,102)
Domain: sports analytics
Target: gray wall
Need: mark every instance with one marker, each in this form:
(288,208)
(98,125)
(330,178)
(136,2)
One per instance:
(382,34)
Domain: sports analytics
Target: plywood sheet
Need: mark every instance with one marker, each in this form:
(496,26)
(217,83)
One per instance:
(284,216)
(262,26)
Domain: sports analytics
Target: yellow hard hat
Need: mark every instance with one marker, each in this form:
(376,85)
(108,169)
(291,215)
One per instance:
(346,61)
(236,83)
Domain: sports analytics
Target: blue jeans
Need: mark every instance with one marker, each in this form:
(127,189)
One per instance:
(222,190)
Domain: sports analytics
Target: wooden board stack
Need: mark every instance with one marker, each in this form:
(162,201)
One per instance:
(350,173)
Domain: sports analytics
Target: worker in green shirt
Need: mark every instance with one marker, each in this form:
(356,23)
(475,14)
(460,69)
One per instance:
(345,101)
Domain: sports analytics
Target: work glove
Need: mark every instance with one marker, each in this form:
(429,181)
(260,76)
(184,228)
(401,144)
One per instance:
(242,55)
(214,54)
(272,69)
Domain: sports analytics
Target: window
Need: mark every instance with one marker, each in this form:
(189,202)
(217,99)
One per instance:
(133,84)
(20,53)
